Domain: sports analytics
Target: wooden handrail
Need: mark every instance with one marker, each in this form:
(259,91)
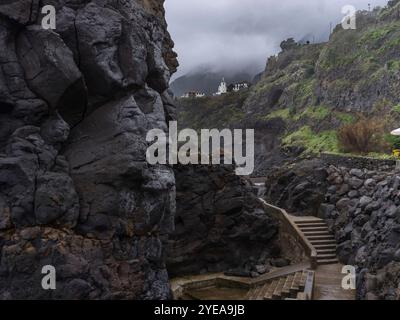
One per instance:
(294,230)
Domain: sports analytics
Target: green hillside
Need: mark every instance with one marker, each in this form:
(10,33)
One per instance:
(317,89)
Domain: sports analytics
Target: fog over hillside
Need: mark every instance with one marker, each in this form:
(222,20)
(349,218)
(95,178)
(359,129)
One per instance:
(239,35)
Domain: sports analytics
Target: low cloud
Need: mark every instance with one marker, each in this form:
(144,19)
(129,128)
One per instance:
(237,34)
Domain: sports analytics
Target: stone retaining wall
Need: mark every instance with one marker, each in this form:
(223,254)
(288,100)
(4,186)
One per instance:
(362,209)
(358,162)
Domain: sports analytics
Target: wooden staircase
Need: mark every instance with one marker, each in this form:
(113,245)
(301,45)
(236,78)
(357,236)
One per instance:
(316,232)
(280,288)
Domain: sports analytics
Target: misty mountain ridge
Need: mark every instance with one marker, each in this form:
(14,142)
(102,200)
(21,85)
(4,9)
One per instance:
(206,80)
(207,77)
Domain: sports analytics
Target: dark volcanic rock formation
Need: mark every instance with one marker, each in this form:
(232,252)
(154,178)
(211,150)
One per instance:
(299,188)
(219,223)
(363,210)
(75,189)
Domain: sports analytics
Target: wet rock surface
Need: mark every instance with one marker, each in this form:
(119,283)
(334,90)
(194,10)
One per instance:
(75,189)
(219,225)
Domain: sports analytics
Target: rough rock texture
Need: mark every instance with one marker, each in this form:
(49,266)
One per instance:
(299,188)
(75,189)
(219,224)
(363,210)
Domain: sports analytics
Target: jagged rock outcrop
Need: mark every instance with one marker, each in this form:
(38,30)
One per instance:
(219,224)
(75,189)
(299,188)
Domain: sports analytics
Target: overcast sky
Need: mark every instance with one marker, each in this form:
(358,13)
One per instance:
(232,33)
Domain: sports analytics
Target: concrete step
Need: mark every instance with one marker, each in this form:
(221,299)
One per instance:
(296,282)
(311,225)
(326,251)
(250,293)
(324,237)
(316,233)
(285,287)
(327,261)
(271,289)
(308,229)
(326,256)
(255,293)
(325,246)
(313,220)
(323,242)
(277,295)
(288,284)
(262,292)
(303,280)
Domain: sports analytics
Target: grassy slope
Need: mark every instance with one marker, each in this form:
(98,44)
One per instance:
(319,84)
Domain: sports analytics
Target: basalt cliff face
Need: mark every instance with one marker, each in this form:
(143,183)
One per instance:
(219,224)
(76,191)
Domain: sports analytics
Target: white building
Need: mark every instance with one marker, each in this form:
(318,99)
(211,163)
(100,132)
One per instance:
(239,86)
(193,94)
(222,88)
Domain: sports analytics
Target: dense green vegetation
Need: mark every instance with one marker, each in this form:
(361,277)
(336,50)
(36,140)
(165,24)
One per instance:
(313,143)
(219,112)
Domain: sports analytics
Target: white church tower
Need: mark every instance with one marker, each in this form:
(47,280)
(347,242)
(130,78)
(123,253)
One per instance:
(222,89)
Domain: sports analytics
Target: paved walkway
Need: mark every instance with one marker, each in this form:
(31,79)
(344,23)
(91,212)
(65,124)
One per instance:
(328,284)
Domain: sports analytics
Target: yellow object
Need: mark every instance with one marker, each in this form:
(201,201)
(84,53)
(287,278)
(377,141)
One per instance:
(396,153)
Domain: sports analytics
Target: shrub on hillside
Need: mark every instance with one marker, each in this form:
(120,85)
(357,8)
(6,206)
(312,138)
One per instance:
(363,136)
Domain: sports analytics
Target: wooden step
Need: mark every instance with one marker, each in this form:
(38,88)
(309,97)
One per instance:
(277,295)
(271,289)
